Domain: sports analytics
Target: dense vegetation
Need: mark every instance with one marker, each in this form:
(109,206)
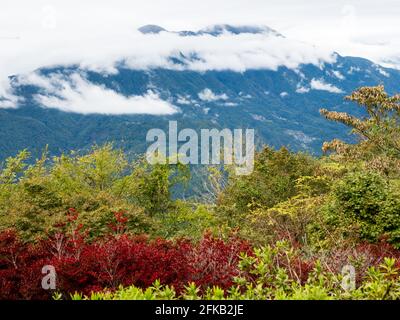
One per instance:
(113,230)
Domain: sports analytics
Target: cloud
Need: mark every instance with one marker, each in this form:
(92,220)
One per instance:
(38,34)
(59,32)
(184,100)
(230,104)
(300,136)
(283,94)
(76,94)
(7,98)
(301,89)
(8,102)
(338,75)
(319,84)
(235,52)
(209,96)
(227,52)
(382,72)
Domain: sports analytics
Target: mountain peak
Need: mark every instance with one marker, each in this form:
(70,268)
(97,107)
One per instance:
(151,29)
(213,30)
(219,29)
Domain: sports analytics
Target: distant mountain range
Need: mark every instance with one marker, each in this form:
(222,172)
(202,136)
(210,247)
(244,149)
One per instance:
(215,30)
(281,105)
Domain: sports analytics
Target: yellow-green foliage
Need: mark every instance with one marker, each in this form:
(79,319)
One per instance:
(272,181)
(34,198)
(186,220)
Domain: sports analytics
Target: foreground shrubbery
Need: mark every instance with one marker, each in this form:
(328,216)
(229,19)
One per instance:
(283,232)
(274,273)
(210,269)
(115,260)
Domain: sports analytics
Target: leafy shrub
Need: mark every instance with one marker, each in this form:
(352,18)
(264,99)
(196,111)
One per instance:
(185,219)
(34,198)
(269,274)
(272,181)
(114,260)
(368,200)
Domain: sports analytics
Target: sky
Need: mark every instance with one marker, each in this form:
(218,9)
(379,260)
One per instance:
(350,27)
(96,33)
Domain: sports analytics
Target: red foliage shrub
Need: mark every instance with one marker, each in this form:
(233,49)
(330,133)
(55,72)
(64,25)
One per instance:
(214,262)
(124,260)
(116,260)
(20,268)
(120,259)
(362,256)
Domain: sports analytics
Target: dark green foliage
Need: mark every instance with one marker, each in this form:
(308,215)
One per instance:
(368,200)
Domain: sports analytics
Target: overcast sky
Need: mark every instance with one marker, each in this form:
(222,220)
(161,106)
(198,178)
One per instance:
(98,32)
(355,27)
(312,20)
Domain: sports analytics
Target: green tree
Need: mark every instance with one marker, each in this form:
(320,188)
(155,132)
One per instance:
(378,132)
(272,181)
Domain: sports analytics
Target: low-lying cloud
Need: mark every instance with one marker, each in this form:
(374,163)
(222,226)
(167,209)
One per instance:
(226,52)
(235,52)
(76,94)
(209,96)
(320,84)
(96,33)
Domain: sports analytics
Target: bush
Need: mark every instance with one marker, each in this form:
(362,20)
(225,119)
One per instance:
(34,198)
(274,272)
(367,200)
(185,219)
(117,259)
(272,181)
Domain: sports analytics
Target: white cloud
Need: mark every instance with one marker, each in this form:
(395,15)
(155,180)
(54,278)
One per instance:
(258,117)
(382,72)
(209,96)
(230,104)
(302,89)
(319,84)
(86,47)
(50,30)
(96,33)
(7,98)
(142,52)
(8,102)
(300,136)
(338,75)
(284,94)
(226,52)
(245,96)
(183,100)
(76,94)
(353,69)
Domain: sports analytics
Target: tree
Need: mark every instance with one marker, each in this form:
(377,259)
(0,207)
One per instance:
(272,181)
(378,132)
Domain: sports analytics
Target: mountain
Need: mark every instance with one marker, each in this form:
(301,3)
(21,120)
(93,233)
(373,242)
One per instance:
(281,105)
(150,29)
(219,29)
(214,30)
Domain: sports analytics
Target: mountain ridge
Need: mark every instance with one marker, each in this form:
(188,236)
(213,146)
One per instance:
(281,104)
(213,30)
